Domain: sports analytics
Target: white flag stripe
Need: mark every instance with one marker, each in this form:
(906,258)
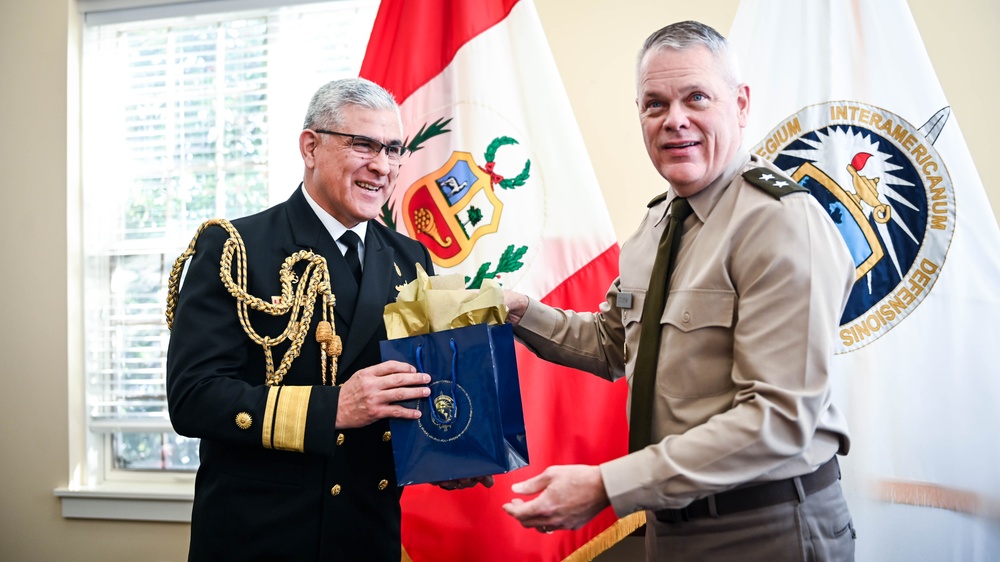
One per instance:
(563,225)
(921,394)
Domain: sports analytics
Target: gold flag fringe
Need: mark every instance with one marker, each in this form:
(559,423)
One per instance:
(608,538)
(926,494)
(595,546)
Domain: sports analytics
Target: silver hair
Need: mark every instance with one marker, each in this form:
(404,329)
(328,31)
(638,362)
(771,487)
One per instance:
(326,106)
(686,34)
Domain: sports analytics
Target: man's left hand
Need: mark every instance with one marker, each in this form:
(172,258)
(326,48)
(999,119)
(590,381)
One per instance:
(568,497)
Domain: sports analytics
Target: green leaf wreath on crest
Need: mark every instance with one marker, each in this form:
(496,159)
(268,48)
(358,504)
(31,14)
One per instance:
(425,133)
(510,260)
(497,179)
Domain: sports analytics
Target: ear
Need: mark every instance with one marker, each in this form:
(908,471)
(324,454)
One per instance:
(743,103)
(308,144)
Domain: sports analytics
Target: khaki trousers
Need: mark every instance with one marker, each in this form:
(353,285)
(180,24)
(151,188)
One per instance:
(815,528)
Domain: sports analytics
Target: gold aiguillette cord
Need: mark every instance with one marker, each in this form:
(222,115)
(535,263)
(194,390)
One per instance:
(298,304)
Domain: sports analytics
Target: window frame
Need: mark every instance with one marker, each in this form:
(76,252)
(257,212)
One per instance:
(95,488)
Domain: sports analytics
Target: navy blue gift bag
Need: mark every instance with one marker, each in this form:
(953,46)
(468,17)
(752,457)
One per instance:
(472,424)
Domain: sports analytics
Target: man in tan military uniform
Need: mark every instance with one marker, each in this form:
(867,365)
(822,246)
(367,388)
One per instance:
(741,460)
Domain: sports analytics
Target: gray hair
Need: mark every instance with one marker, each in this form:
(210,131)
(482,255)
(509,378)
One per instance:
(687,34)
(326,105)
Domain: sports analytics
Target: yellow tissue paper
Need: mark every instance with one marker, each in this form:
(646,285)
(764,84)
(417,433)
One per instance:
(439,303)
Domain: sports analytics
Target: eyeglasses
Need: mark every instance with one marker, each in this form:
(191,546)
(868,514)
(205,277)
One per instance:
(370,147)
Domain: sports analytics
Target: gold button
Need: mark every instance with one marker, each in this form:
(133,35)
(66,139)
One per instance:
(340,439)
(387,436)
(383,484)
(335,491)
(244,420)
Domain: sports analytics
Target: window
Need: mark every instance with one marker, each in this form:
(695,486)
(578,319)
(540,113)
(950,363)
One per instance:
(184,119)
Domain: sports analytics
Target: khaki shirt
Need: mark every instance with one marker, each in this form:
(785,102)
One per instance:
(748,333)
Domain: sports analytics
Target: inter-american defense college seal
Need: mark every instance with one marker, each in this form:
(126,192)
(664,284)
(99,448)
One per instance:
(888,191)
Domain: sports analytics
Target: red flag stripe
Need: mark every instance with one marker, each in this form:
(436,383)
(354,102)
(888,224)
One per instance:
(430,32)
(580,291)
(563,426)
(568,295)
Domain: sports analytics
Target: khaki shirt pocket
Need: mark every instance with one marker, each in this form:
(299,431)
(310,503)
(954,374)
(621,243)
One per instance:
(694,309)
(696,353)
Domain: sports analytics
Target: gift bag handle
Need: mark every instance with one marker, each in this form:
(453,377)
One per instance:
(430,401)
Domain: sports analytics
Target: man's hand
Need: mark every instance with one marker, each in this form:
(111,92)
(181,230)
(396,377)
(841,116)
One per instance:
(517,304)
(371,394)
(570,497)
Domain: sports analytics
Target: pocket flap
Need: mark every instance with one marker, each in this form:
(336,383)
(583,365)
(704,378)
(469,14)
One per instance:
(693,309)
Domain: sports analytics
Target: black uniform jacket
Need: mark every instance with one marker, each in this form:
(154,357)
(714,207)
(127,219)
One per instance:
(277,481)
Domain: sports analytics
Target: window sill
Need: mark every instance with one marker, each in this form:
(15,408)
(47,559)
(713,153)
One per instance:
(129,502)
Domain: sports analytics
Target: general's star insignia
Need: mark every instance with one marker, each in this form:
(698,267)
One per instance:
(777,186)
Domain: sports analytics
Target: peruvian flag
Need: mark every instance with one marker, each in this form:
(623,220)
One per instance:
(499,185)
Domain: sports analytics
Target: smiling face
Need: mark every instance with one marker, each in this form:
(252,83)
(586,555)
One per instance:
(350,186)
(692,116)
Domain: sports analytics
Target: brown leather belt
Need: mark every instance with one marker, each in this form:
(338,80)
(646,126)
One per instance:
(754,497)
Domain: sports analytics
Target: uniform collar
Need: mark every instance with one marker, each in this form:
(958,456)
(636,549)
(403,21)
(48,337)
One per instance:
(705,200)
(334,226)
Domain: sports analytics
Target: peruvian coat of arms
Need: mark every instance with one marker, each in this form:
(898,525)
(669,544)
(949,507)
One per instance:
(451,208)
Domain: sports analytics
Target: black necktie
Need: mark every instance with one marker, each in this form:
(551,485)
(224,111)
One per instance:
(351,240)
(647,357)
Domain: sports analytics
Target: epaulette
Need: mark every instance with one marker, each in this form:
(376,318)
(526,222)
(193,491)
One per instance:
(778,185)
(656,200)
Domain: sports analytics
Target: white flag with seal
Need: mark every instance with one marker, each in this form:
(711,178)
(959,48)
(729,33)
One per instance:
(845,100)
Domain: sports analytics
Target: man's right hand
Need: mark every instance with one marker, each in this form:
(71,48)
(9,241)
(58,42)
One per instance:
(517,305)
(373,393)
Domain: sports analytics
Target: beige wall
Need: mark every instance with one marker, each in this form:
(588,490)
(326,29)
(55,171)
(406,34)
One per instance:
(594,42)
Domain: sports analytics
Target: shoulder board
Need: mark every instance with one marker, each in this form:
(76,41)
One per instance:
(657,199)
(778,185)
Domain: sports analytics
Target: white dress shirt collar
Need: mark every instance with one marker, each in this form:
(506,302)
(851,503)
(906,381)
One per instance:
(334,226)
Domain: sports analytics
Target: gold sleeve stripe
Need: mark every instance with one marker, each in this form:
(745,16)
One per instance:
(268,429)
(285,418)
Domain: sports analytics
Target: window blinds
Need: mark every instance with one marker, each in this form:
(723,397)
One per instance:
(185,119)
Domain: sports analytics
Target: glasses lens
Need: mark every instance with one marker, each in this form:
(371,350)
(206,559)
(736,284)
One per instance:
(366,146)
(395,151)
(371,147)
